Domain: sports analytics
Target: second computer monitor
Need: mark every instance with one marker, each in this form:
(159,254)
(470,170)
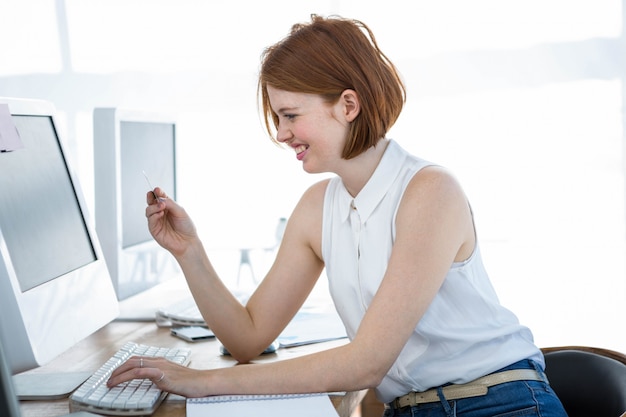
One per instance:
(133,151)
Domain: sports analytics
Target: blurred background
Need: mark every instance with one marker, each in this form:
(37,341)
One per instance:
(522,100)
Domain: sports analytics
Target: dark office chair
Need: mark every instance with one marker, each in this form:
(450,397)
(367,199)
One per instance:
(589,381)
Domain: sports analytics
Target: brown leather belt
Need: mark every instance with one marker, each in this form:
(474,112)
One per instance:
(473,388)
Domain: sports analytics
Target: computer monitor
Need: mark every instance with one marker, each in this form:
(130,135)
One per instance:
(55,289)
(129,146)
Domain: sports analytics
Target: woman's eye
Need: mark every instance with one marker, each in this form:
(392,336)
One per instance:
(290,116)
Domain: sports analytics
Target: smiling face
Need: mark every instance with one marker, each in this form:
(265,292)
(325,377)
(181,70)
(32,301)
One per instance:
(314,129)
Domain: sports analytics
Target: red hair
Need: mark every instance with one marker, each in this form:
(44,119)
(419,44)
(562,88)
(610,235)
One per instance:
(326,57)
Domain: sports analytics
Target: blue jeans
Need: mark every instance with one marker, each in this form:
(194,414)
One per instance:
(511,399)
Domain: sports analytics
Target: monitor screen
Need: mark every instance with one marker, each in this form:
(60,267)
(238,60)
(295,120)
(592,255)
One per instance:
(131,146)
(41,219)
(55,289)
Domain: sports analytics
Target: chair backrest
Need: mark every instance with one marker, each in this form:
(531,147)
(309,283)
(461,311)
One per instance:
(589,381)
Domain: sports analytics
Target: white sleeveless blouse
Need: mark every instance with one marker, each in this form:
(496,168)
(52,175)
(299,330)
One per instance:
(464,334)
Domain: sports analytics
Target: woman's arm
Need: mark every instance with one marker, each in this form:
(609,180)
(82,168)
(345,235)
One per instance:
(247,330)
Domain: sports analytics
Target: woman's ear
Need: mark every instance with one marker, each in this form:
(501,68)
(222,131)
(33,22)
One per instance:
(351,105)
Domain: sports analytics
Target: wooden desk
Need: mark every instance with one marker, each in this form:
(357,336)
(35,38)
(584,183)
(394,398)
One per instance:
(89,354)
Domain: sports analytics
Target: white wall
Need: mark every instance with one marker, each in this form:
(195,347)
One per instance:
(523,100)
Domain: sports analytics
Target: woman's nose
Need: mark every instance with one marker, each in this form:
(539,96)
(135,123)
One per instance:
(283,135)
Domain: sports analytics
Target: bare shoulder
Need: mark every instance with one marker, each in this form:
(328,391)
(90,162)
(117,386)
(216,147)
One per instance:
(318,189)
(435,205)
(313,199)
(305,222)
(435,184)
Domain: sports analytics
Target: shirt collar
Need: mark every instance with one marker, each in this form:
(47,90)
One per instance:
(376,187)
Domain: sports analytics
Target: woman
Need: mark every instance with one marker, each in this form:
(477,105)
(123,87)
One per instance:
(396,236)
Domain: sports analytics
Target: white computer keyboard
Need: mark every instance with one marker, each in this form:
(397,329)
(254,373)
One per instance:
(181,313)
(134,398)
(185,312)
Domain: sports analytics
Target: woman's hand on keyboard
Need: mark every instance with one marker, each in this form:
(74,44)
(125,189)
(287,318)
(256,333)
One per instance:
(165,373)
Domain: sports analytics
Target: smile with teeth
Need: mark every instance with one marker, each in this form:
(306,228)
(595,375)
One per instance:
(301,148)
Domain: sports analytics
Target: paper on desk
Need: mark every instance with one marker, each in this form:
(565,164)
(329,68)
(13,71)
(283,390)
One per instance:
(312,327)
(9,136)
(304,405)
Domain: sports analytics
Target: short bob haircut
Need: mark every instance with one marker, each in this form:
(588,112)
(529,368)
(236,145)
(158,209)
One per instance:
(326,57)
